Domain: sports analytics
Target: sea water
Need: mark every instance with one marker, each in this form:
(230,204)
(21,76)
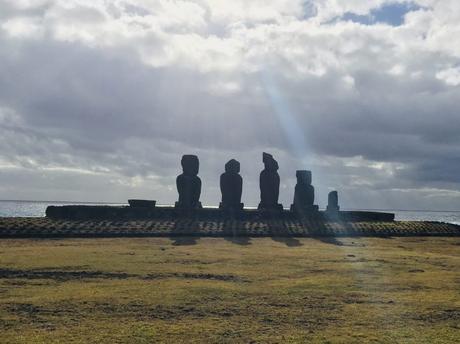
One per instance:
(34,208)
(37,209)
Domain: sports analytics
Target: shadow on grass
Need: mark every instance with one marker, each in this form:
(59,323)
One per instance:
(290,242)
(239,240)
(329,240)
(61,274)
(183,240)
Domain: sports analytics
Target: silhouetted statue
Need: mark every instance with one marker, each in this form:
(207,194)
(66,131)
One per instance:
(269,184)
(333,202)
(189,184)
(231,186)
(304,195)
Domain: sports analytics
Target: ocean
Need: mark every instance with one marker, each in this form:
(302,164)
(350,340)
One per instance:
(37,209)
(34,208)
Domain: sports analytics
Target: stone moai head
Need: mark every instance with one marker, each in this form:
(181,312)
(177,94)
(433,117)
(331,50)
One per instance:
(270,163)
(232,166)
(190,165)
(303,177)
(333,199)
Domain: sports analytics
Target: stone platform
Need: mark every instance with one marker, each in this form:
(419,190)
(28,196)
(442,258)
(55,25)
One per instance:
(125,221)
(88,212)
(256,227)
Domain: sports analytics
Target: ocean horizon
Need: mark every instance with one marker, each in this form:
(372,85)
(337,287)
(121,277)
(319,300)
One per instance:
(35,208)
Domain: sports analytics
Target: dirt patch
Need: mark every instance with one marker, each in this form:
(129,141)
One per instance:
(365,299)
(61,275)
(201,276)
(26,282)
(452,314)
(23,309)
(70,275)
(38,315)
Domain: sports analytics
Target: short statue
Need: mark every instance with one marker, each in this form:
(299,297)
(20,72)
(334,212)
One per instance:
(304,195)
(231,186)
(189,184)
(269,184)
(333,202)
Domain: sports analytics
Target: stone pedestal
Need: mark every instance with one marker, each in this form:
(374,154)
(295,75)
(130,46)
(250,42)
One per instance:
(179,205)
(272,207)
(239,206)
(310,209)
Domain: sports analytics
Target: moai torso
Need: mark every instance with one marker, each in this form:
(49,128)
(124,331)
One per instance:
(269,184)
(333,202)
(231,186)
(304,194)
(188,183)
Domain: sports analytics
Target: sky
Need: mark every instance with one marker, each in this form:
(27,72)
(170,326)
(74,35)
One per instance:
(100,99)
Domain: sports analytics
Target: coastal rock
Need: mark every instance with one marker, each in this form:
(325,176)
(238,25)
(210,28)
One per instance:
(141,203)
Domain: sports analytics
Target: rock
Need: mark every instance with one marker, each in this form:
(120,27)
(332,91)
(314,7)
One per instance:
(142,203)
(231,186)
(189,184)
(269,184)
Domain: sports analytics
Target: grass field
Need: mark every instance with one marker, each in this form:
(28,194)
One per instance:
(267,290)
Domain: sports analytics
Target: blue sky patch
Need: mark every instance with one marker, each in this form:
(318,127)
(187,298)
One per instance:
(391,14)
(309,9)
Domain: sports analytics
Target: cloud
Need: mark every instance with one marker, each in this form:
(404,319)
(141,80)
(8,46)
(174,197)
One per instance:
(451,76)
(99,100)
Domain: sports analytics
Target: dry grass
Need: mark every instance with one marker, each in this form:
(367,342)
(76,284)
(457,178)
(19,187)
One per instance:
(190,290)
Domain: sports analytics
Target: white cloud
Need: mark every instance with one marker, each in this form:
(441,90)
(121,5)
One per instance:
(23,27)
(451,76)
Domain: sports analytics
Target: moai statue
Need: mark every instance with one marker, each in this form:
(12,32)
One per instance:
(333,202)
(189,184)
(304,195)
(231,186)
(269,184)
